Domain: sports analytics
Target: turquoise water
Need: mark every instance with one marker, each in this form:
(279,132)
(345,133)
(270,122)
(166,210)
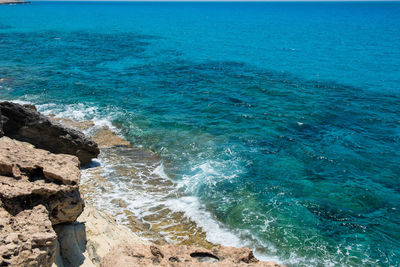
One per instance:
(281,119)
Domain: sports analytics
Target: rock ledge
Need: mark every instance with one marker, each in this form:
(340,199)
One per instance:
(38,189)
(25,124)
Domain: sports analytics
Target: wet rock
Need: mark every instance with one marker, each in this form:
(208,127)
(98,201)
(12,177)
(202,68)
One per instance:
(178,255)
(103,136)
(77,125)
(107,138)
(136,169)
(31,177)
(28,125)
(29,106)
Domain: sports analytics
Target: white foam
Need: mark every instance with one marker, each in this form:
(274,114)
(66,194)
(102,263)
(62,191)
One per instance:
(103,122)
(77,111)
(209,173)
(159,170)
(216,233)
(81,112)
(21,102)
(140,203)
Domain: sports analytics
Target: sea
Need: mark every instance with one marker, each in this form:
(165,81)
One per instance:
(272,125)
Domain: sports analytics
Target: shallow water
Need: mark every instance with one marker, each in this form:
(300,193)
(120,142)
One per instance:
(277,124)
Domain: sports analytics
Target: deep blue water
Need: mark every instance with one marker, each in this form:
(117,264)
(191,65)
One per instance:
(282,119)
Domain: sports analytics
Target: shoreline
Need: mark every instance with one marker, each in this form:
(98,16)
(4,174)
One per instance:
(13,2)
(191,224)
(140,167)
(96,234)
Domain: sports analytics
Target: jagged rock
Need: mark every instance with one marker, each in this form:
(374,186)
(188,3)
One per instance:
(1,126)
(103,136)
(30,106)
(38,189)
(26,124)
(178,255)
(27,239)
(31,177)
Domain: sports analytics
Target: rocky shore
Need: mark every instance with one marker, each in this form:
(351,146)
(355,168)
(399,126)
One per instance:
(43,217)
(12,2)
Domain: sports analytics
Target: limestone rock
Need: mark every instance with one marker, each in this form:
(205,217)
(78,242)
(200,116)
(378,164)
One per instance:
(71,245)
(26,124)
(27,239)
(90,238)
(95,239)
(107,138)
(31,177)
(178,255)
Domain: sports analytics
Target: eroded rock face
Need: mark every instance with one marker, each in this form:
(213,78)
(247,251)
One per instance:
(31,177)
(86,241)
(27,239)
(28,125)
(38,189)
(179,255)
(1,126)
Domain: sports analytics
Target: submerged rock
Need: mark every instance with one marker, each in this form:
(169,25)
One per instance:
(28,125)
(107,138)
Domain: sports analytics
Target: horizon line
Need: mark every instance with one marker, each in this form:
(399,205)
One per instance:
(298,1)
